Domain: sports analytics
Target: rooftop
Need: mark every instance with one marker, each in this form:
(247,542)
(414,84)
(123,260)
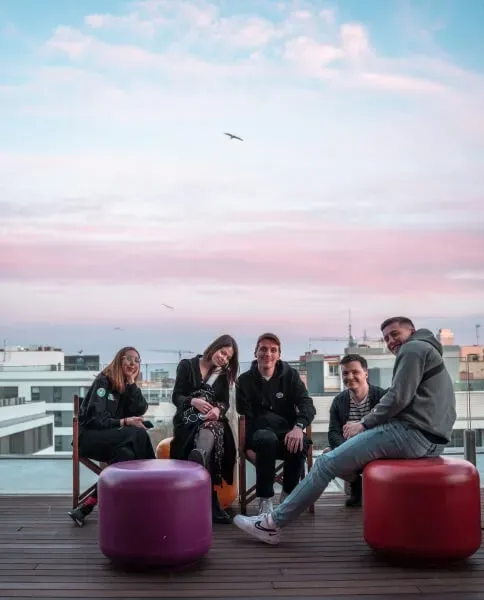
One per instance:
(43,555)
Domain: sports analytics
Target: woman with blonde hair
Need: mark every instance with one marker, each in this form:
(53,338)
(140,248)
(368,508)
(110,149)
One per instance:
(111,427)
(201,431)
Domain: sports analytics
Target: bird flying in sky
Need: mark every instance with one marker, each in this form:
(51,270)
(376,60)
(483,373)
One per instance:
(167,306)
(234,137)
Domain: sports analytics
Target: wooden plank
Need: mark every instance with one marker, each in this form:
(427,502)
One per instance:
(42,555)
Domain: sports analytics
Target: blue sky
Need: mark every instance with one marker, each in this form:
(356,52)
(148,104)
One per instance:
(358,183)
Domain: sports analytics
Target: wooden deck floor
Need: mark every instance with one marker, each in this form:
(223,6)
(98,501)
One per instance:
(43,555)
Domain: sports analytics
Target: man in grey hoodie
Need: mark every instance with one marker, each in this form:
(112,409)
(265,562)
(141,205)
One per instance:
(413,419)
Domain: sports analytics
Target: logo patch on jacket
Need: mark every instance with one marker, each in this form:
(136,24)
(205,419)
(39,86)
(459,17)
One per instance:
(101,392)
(279,395)
(110,397)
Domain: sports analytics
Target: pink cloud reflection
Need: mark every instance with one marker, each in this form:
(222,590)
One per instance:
(391,261)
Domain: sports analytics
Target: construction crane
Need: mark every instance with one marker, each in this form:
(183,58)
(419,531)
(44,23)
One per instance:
(179,352)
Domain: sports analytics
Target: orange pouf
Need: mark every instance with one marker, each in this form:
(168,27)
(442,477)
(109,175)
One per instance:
(163,448)
(226,493)
(428,508)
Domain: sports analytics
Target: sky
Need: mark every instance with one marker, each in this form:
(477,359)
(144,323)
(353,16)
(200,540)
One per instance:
(359,183)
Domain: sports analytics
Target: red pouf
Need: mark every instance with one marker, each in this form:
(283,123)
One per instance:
(428,508)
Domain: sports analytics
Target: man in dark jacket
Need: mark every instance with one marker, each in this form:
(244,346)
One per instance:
(413,419)
(351,406)
(277,408)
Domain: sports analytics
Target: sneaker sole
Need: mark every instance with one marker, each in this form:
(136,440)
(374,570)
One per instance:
(78,522)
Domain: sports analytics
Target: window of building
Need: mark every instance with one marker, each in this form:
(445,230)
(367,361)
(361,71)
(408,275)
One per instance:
(8,392)
(63,443)
(333,369)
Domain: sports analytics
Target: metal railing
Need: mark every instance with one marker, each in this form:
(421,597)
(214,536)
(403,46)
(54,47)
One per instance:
(16,401)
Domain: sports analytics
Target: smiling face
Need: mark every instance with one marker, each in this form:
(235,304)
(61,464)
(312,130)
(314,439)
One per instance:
(130,364)
(355,377)
(267,354)
(395,334)
(222,356)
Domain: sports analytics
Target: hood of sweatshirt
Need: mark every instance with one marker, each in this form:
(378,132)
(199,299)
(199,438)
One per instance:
(425,335)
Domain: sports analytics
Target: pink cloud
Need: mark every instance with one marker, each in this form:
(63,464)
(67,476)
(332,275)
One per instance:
(391,262)
(310,56)
(131,22)
(355,41)
(400,83)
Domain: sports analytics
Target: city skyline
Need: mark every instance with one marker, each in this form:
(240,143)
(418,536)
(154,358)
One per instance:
(128,216)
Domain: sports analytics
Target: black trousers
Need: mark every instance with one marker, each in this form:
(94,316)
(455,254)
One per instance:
(115,445)
(356,487)
(269,448)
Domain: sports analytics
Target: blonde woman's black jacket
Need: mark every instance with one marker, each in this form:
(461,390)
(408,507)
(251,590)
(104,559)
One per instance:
(103,407)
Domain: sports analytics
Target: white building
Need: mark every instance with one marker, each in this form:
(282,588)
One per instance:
(42,358)
(41,390)
(25,428)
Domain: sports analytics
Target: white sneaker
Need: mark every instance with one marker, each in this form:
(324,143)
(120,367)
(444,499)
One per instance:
(261,528)
(265,506)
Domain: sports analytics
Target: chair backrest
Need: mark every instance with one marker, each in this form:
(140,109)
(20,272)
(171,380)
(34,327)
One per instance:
(75,425)
(77,495)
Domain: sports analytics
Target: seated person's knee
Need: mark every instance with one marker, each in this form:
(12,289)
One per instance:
(264,438)
(136,433)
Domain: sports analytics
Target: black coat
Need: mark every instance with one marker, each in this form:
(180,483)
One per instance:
(188,381)
(277,404)
(340,411)
(103,407)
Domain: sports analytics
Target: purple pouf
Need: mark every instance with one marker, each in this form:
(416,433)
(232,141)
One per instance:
(155,512)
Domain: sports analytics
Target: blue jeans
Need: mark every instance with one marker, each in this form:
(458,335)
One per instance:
(396,439)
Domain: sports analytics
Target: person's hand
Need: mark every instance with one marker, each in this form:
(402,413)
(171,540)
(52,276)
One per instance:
(202,405)
(213,414)
(294,440)
(135,422)
(352,429)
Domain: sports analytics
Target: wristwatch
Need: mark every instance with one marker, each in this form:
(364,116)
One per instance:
(300,425)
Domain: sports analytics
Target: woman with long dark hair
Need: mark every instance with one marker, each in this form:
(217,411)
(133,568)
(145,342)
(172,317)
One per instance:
(111,425)
(201,431)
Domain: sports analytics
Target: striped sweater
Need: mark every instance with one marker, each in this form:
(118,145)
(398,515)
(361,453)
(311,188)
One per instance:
(343,410)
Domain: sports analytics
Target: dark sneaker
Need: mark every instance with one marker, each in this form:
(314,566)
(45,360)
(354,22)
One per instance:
(80,513)
(353,502)
(198,456)
(218,513)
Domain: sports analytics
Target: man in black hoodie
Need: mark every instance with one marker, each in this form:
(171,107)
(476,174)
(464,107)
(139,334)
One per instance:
(277,408)
(413,419)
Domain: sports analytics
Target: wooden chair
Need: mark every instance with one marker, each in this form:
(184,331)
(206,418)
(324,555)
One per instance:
(77,495)
(246,496)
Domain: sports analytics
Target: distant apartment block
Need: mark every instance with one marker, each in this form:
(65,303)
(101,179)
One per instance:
(25,428)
